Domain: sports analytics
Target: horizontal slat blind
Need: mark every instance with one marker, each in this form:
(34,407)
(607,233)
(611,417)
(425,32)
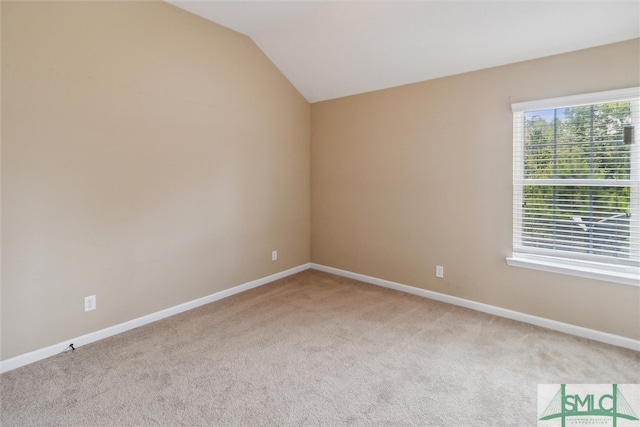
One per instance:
(576,179)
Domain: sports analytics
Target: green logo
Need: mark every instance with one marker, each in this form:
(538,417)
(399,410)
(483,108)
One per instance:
(589,404)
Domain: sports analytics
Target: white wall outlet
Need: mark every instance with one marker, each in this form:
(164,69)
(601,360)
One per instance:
(90,303)
(274,255)
(439,271)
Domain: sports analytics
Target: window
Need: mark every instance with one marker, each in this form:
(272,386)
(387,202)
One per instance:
(576,185)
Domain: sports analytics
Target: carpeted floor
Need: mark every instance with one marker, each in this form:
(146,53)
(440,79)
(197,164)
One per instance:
(312,349)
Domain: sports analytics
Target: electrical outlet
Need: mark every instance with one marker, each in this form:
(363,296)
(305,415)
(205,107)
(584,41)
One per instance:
(274,255)
(90,303)
(439,271)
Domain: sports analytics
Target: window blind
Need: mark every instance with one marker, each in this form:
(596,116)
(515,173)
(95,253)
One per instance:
(576,177)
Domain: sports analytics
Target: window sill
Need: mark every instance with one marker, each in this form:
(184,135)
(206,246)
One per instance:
(625,275)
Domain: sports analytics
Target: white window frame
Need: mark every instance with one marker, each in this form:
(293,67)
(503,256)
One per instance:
(617,273)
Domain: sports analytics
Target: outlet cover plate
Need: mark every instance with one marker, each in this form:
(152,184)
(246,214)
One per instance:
(90,303)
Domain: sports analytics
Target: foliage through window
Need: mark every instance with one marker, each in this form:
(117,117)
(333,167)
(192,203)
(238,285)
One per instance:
(576,170)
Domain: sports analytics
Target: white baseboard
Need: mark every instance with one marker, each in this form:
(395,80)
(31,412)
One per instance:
(490,309)
(43,353)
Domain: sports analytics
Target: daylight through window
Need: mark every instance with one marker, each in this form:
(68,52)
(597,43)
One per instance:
(576,184)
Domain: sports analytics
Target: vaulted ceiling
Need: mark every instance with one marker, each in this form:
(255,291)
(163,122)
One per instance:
(330,48)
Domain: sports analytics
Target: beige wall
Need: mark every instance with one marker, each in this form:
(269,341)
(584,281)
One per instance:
(411,177)
(149,157)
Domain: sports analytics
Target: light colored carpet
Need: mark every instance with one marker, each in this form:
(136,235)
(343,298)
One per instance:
(312,349)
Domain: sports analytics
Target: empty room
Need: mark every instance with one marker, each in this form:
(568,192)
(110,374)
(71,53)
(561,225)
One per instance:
(321,212)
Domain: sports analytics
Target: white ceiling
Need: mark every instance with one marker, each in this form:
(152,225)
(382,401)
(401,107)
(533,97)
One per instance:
(332,48)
